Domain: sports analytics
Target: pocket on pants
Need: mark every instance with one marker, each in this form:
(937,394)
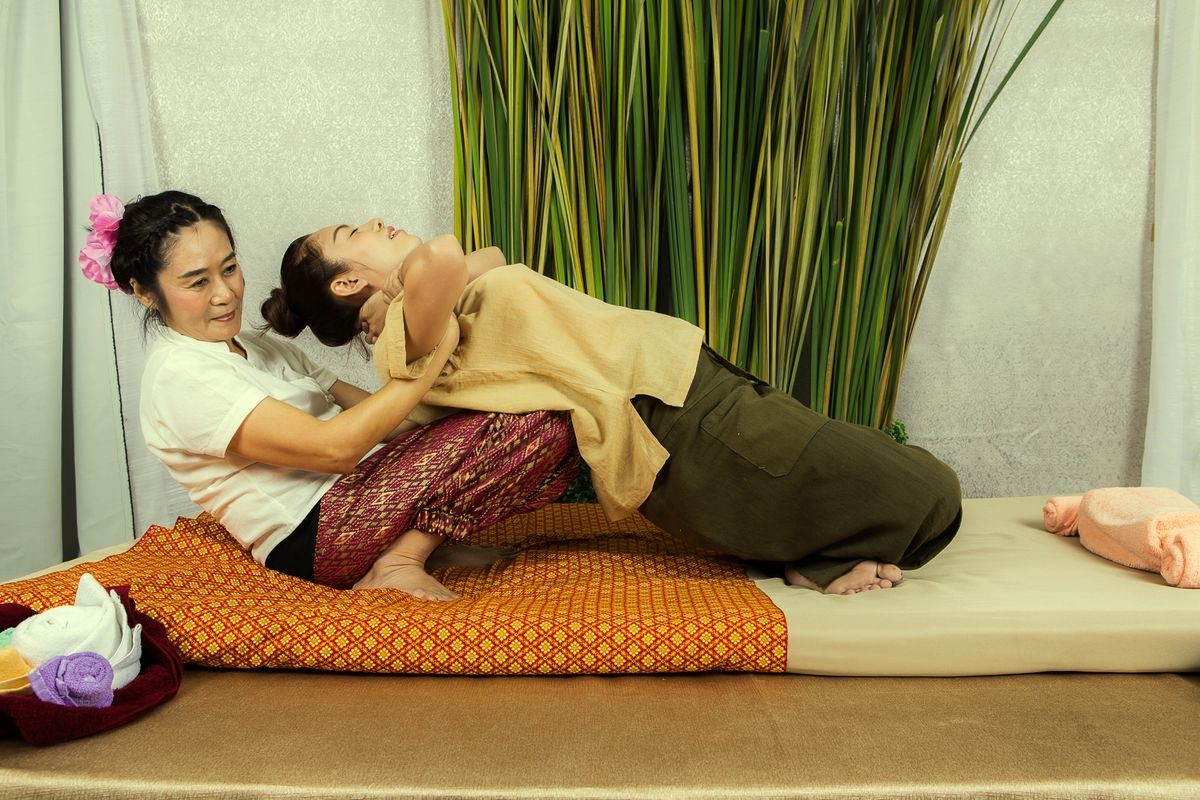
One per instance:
(763,426)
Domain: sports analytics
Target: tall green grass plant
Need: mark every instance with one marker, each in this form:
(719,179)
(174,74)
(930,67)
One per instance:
(778,172)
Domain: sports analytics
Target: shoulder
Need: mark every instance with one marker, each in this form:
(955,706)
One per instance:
(170,361)
(507,276)
(284,359)
(188,391)
(512,285)
(533,285)
(177,375)
(269,346)
(273,354)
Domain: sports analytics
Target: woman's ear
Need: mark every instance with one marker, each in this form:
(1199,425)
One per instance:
(144,297)
(347,285)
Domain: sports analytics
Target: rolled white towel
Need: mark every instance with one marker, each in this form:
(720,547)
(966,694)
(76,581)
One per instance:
(97,623)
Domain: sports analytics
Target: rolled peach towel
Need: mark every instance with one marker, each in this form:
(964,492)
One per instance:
(1145,527)
(1181,560)
(1061,514)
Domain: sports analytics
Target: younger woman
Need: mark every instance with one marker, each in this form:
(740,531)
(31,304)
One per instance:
(703,449)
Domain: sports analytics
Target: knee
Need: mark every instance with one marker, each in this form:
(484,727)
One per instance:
(946,507)
(940,485)
(941,478)
(948,486)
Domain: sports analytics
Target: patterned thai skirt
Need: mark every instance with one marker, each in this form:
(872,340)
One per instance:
(455,476)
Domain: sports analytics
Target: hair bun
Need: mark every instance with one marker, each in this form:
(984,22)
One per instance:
(279,315)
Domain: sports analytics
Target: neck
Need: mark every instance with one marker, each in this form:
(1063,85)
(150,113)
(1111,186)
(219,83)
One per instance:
(375,279)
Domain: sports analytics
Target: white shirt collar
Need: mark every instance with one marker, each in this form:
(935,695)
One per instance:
(175,337)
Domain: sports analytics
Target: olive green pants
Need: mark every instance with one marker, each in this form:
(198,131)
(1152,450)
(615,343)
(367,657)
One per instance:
(757,474)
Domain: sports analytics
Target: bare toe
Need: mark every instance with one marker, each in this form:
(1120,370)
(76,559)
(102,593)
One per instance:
(437,592)
(865,576)
(889,573)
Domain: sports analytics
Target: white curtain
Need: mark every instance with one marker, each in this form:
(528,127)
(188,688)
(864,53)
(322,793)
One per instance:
(64,488)
(1172,453)
(111,48)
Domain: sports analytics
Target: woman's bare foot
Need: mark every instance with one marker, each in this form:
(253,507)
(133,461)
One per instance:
(402,566)
(864,576)
(408,577)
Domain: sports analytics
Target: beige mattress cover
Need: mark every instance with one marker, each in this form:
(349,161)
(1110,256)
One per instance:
(1004,597)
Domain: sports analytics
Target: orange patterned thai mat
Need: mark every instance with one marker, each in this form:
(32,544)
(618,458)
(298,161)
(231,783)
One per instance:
(582,595)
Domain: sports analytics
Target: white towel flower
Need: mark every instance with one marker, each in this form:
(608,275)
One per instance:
(97,623)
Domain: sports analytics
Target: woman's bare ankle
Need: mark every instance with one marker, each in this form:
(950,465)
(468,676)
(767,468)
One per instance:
(402,566)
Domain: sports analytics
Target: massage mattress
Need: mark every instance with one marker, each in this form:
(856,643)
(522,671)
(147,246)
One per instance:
(1004,597)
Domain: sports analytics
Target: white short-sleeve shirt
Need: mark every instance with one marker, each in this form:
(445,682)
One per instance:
(195,396)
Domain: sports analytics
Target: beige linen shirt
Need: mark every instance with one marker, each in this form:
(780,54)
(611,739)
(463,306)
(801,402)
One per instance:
(529,343)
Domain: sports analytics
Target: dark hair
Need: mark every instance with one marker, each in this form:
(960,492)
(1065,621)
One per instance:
(305,299)
(147,234)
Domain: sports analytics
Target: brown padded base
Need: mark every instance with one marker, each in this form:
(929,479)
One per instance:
(287,734)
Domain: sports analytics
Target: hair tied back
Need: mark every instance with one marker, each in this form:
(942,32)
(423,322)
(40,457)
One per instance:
(279,315)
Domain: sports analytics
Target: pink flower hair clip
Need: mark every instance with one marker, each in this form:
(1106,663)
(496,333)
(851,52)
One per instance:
(95,257)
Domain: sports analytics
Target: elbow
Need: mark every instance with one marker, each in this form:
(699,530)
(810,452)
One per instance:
(438,276)
(447,258)
(492,257)
(343,460)
(345,466)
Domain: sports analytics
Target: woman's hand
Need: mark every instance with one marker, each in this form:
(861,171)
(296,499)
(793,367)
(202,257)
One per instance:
(394,284)
(449,341)
(372,316)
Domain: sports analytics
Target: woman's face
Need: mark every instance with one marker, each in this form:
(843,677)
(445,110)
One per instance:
(200,288)
(372,249)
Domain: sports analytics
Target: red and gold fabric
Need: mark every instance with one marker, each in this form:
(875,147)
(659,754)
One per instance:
(582,595)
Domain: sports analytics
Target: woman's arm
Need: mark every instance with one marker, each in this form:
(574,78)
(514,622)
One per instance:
(433,276)
(427,280)
(480,261)
(347,395)
(277,433)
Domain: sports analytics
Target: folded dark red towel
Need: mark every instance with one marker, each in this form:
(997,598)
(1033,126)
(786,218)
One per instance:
(43,723)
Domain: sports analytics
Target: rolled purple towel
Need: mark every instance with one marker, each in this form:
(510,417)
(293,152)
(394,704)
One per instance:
(77,679)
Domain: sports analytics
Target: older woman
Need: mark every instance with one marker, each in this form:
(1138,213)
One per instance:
(703,449)
(282,453)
